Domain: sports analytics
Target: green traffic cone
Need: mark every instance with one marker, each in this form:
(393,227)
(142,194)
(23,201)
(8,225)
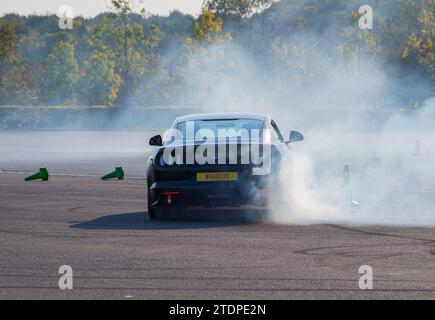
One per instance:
(348,185)
(117,174)
(41,175)
(346,174)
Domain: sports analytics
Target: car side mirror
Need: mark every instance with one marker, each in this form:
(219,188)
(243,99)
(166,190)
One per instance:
(156,141)
(295,136)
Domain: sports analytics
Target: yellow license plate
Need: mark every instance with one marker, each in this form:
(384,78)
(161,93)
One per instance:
(216,176)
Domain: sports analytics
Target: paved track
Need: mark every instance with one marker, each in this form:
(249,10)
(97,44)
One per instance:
(102,231)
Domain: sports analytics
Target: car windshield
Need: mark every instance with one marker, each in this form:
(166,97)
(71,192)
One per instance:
(231,128)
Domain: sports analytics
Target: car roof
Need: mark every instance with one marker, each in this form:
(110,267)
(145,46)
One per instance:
(225,115)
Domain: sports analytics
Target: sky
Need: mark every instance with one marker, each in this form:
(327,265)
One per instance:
(89,8)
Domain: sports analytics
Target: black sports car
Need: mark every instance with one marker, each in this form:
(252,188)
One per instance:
(215,160)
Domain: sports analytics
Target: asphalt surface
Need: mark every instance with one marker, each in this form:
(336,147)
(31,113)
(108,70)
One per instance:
(101,229)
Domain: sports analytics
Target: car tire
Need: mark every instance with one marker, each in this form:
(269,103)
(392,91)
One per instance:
(152,215)
(151,211)
(160,212)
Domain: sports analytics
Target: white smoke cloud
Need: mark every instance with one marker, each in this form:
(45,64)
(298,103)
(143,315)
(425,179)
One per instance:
(341,115)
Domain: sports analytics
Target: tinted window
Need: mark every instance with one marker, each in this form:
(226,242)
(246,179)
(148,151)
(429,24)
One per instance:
(232,127)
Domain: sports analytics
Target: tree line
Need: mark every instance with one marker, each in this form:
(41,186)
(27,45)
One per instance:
(125,57)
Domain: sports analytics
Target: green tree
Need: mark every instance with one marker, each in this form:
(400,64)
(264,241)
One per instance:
(204,62)
(58,75)
(208,31)
(356,45)
(298,42)
(235,9)
(124,9)
(292,62)
(209,28)
(13,70)
(122,37)
(150,79)
(422,43)
(101,83)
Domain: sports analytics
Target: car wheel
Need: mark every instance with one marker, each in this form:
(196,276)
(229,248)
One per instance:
(152,215)
(151,211)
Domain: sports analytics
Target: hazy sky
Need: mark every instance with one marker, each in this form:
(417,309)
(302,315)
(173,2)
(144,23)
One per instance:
(92,7)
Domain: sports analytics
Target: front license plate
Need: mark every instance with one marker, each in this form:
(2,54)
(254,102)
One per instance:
(216,176)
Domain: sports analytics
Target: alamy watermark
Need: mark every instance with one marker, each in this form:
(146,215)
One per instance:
(66,280)
(66,17)
(180,150)
(366,280)
(365,22)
